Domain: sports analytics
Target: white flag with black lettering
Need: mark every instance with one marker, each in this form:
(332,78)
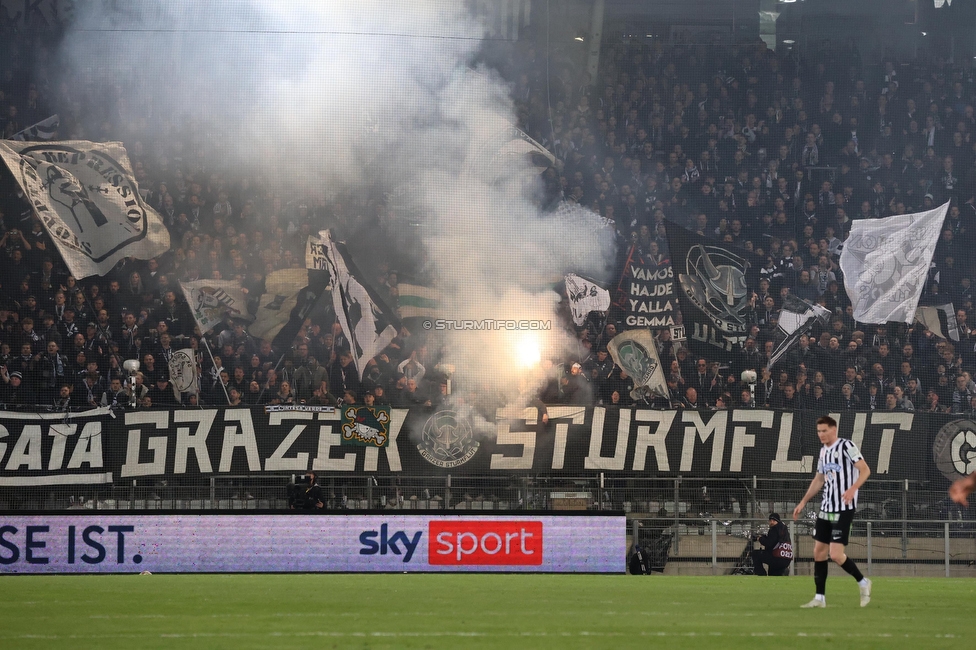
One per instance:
(42,131)
(585,296)
(886,261)
(88,200)
(636,352)
(365,320)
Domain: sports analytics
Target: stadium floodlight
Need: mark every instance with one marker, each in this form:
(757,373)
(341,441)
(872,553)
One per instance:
(940,3)
(788,41)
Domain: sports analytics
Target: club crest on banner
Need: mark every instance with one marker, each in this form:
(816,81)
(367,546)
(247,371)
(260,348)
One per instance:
(954,449)
(716,284)
(637,361)
(183,370)
(366,426)
(447,440)
(87,186)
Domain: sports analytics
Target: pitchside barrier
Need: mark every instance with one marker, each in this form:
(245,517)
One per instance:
(120,542)
(681,469)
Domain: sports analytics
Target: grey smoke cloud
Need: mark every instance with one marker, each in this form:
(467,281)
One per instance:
(330,96)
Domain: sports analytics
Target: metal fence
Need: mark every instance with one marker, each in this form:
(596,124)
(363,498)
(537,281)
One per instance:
(682,501)
(699,526)
(903,547)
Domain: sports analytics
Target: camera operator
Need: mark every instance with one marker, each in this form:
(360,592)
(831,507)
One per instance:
(777,551)
(307,496)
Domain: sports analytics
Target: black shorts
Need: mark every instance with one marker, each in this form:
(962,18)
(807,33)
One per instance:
(834,527)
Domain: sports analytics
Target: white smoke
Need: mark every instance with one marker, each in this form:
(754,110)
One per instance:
(330,96)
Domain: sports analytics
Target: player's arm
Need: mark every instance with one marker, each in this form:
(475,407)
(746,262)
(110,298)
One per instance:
(863,472)
(815,486)
(961,489)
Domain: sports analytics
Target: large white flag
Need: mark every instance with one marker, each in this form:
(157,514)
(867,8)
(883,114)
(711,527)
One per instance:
(636,352)
(885,262)
(366,322)
(585,296)
(87,198)
(211,300)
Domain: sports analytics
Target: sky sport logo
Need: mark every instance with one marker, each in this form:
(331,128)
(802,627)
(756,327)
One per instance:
(480,543)
(488,324)
(462,543)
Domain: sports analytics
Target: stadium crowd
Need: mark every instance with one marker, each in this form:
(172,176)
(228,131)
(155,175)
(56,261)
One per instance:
(775,154)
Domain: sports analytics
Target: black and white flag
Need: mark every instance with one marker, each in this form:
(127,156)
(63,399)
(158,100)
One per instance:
(87,197)
(183,373)
(283,291)
(886,262)
(42,131)
(712,286)
(585,296)
(368,323)
(211,300)
(636,352)
(795,319)
(939,318)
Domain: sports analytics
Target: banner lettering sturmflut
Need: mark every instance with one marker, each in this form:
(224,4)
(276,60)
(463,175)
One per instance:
(96,448)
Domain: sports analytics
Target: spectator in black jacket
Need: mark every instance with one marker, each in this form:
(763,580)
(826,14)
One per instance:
(777,551)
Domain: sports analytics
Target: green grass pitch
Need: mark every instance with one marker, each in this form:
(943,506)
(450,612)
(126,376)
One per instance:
(479,611)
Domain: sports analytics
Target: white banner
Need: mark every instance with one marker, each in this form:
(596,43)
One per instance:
(585,296)
(183,372)
(87,198)
(211,300)
(885,262)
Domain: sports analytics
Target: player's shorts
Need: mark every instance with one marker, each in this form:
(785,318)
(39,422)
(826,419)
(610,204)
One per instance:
(834,527)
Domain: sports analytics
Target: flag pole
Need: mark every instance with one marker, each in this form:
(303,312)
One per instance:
(206,344)
(277,365)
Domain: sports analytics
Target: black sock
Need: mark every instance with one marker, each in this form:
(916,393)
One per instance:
(820,576)
(851,568)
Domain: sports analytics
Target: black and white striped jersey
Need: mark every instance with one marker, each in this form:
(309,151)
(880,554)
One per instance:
(837,465)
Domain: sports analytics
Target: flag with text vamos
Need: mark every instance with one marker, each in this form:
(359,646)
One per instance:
(646,292)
